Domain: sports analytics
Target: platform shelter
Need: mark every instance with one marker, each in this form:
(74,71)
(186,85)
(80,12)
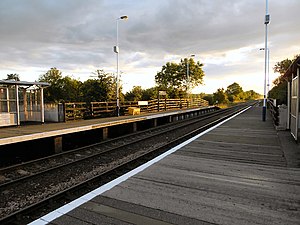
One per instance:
(21,101)
(292,76)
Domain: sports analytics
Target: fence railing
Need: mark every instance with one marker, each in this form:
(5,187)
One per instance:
(82,110)
(75,110)
(273,108)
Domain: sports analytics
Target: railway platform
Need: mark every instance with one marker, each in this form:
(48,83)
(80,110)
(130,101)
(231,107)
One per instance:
(241,171)
(55,135)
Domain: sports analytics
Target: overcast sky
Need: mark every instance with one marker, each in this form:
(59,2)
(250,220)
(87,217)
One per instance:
(77,36)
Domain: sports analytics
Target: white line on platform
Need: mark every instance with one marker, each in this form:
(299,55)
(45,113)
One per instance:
(87,197)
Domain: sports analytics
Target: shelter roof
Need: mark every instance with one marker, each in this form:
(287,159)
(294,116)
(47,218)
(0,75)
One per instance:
(292,69)
(24,83)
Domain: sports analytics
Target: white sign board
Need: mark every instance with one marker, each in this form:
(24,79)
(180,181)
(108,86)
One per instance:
(142,102)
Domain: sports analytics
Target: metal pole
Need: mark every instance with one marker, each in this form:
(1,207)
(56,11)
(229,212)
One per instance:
(267,20)
(116,50)
(188,81)
(17,105)
(268,84)
(117,79)
(7,100)
(265,78)
(42,106)
(188,77)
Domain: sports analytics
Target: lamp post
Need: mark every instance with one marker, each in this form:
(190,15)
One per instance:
(267,21)
(116,50)
(188,75)
(268,69)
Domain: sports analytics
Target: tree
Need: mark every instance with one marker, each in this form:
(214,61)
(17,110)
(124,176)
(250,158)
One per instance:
(61,88)
(100,89)
(54,92)
(220,96)
(196,72)
(234,92)
(71,89)
(251,95)
(209,98)
(279,91)
(234,89)
(135,94)
(173,77)
(139,94)
(149,94)
(169,76)
(282,66)
(13,77)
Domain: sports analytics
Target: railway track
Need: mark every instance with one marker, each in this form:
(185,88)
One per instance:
(23,171)
(61,178)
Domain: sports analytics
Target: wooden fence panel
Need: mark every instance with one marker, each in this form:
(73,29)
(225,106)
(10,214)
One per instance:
(81,110)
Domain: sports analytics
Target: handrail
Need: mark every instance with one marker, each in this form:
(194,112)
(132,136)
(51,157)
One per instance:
(273,108)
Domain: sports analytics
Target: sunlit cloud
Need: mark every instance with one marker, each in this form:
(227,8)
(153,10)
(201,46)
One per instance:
(77,37)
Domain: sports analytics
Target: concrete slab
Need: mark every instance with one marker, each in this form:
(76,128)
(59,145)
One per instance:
(290,149)
(83,216)
(160,216)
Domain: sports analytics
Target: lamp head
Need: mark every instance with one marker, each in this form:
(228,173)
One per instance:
(123,18)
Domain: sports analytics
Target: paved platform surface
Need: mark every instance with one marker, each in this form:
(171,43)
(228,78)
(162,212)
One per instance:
(30,132)
(237,174)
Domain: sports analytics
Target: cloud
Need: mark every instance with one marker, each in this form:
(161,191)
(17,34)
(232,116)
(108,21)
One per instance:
(77,36)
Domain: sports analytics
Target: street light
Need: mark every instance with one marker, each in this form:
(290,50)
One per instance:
(116,50)
(188,75)
(268,69)
(267,21)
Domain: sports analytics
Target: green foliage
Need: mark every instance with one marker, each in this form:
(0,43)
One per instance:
(209,98)
(139,94)
(250,95)
(173,77)
(100,89)
(279,91)
(92,91)
(234,89)
(282,66)
(220,96)
(169,76)
(233,93)
(135,94)
(54,93)
(13,76)
(70,90)
(149,94)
